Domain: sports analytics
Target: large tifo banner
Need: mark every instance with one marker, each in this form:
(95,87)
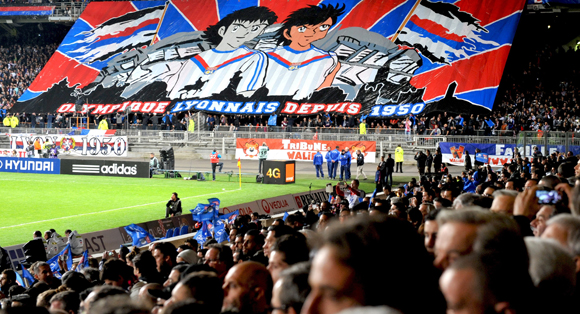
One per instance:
(290,149)
(497,154)
(370,57)
(82,146)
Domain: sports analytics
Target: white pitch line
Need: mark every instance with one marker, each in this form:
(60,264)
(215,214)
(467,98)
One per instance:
(109,210)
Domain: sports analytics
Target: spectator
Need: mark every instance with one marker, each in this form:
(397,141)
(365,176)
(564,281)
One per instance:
(43,273)
(347,264)
(275,232)
(203,287)
(7,280)
(292,289)
(34,250)
(118,274)
(175,275)
(165,256)
(67,301)
(220,258)
(287,251)
(173,206)
(247,289)
(252,247)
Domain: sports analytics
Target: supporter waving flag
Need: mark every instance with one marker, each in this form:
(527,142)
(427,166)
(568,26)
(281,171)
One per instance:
(215,203)
(53,262)
(84,262)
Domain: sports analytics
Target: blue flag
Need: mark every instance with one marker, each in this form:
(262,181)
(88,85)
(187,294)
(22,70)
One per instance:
(490,123)
(202,234)
(26,274)
(230,217)
(84,262)
(272,120)
(215,203)
(220,232)
(139,235)
(285,216)
(19,280)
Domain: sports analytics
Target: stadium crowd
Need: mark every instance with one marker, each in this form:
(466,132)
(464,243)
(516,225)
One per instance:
(485,241)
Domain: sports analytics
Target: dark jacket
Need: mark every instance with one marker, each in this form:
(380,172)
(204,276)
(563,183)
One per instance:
(429,160)
(390,165)
(34,251)
(421,159)
(468,162)
(360,160)
(437,160)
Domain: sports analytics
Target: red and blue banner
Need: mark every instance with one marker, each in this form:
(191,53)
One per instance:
(379,58)
(26,10)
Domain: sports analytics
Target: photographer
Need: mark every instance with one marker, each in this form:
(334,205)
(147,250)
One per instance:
(350,192)
(173,207)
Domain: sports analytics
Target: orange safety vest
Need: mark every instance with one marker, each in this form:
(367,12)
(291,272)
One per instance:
(214,158)
(37,145)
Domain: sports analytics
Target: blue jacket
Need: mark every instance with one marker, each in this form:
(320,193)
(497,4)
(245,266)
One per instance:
(349,158)
(335,155)
(468,186)
(328,157)
(343,160)
(318,160)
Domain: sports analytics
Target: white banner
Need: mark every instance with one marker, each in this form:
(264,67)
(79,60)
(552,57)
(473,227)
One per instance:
(494,160)
(276,205)
(78,146)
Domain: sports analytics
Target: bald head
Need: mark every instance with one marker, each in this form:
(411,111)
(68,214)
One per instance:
(247,288)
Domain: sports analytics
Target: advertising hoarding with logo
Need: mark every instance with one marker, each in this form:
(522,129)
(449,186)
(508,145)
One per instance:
(133,169)
(30,165)
(290,149)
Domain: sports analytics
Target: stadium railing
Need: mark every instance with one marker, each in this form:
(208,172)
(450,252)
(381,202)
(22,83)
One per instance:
(384,141)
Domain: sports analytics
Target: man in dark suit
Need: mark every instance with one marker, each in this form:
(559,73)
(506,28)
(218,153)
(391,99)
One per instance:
(146,117)
(390,168)
(34,250)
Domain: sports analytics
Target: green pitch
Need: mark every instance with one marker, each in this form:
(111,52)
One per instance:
(32,202)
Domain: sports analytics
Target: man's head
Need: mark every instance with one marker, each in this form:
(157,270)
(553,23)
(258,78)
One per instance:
(203,287)
(240,26)
(165,255)
(117,273)
(7,278)
(175,275)
(42,272)
(503,201)
(539,223)
(430,231)
(151,156)
(552,267)
(307,25)
(291,290)
(67,301)
(348,261)
(253,242)
(354,183)
(220,258)
(457,231)
(275,232)
(287,251)
(174,196)
(247,288)
(478,284)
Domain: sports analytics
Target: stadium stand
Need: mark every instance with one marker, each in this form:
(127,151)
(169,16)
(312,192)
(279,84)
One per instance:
(406,251)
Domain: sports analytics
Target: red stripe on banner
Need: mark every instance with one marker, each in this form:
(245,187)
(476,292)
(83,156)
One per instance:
(480,71)
(488,11)
(102,13)
(284,8)
(436,28)
(200,13)
(367,13)
(130,30)
(26,9)
(59,67)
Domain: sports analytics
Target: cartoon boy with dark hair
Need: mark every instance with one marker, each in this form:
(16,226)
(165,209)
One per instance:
(297,68)
(210,72)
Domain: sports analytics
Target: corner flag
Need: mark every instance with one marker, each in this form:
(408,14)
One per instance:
(240,170)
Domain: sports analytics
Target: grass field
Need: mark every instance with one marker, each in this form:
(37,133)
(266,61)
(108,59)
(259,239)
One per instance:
(32,202)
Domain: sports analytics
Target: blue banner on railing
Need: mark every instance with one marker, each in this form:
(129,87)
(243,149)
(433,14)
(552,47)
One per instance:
(497,154)
(30,165)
